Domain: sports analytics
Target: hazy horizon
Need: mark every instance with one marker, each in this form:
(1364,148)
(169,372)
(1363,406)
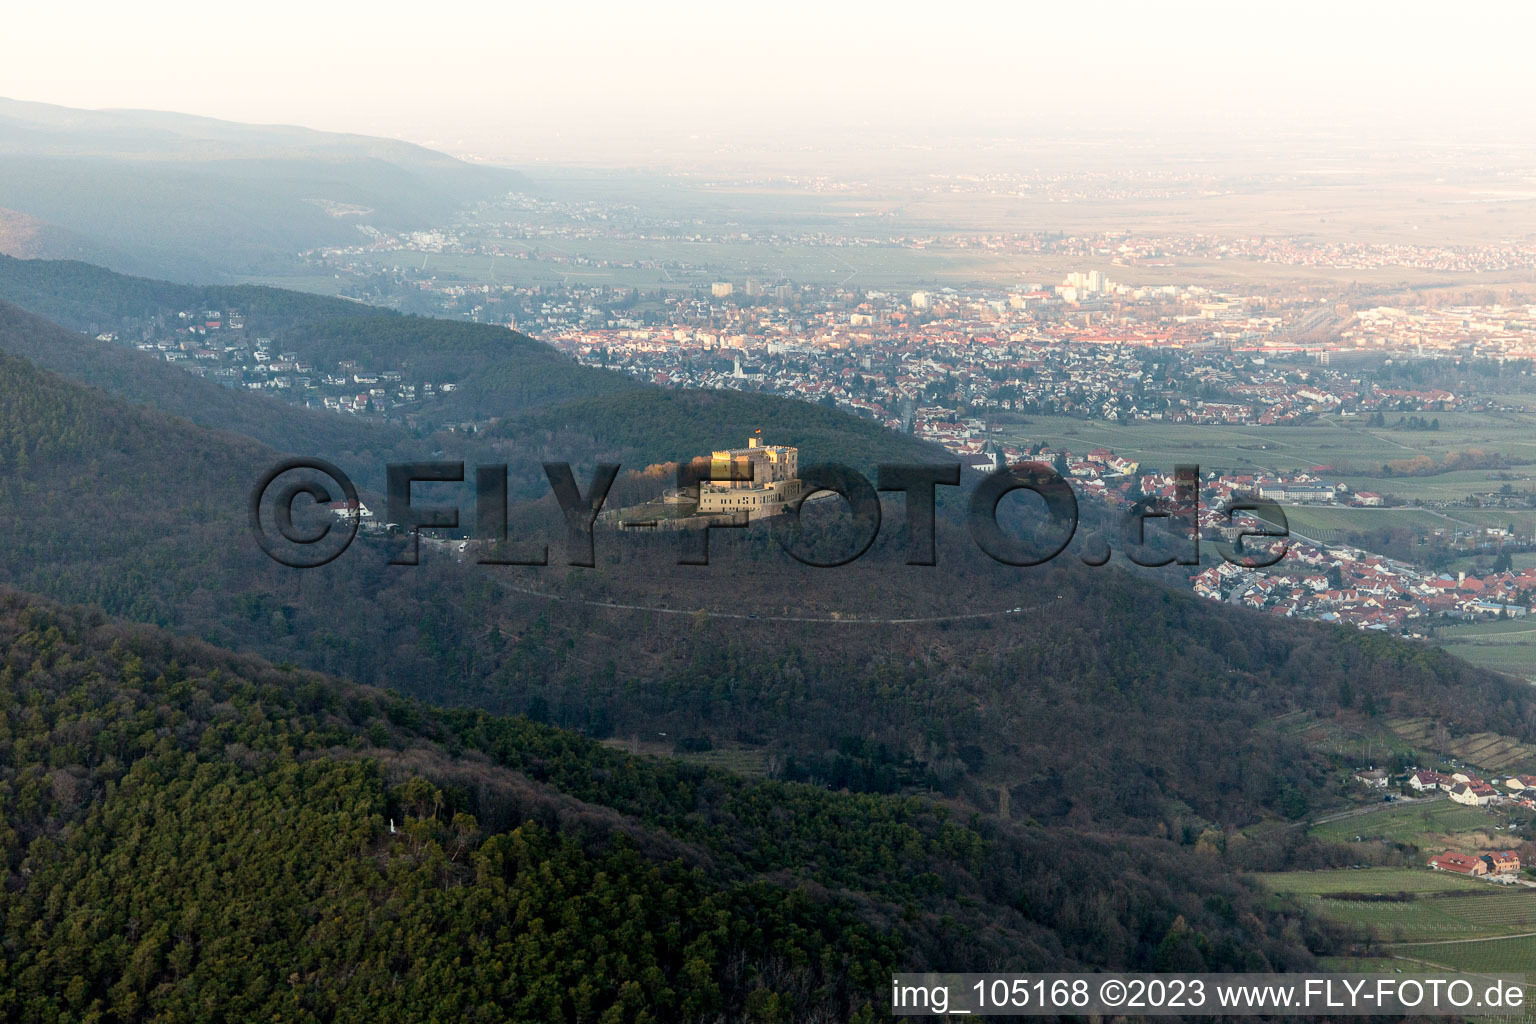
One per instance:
(619,85)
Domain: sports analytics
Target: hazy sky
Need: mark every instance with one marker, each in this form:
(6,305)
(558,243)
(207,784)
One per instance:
(542,81)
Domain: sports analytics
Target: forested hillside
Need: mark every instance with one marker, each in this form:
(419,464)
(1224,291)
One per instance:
(541,404)
(91,298)
(499,371)
(188,833)
(154,382)
(1154,704)
(678,425)
(937,766)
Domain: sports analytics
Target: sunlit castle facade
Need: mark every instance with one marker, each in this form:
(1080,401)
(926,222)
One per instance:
(774,480)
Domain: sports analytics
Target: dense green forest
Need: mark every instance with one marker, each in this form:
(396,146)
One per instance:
(193,834)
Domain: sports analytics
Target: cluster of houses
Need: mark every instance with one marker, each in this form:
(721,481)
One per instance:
(1331,584)
(1082,348)
(1467,788)
(1488,332)
(213,344)
(1369,591)
(1291,488)
(1500,864)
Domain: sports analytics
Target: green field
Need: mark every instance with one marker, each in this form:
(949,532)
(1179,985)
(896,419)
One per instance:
(1406,823)
(1451,923)
(684,264)
(1371,965)
(1355,452)
(1505,646)
(1512,956)
(1332,525)
(739,760)
(1516,399)
(1486,956)
(1499,911)
(1480,563)
(1511,632)
(1514,660)
(1345,443)
(1443,906)
(752,763)
(1492,751)
(1367,880)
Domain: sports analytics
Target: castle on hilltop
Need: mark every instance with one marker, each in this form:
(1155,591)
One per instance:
(773,472)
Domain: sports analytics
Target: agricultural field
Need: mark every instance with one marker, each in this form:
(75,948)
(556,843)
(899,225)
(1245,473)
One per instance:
(1409,823)
(1494,956)
(1516,660)
(1331,525)
(1525,400)
(1501,910)
(1371,965)
(1506,646)
(1487,750)
(1347,444)
(1163,445)
(753,763)
(1354,742)
(1443,907)
(1452,486)
(684,264)
(1479,564)
(1428,920)
(1477,957)
(1366,880)
(1356,452)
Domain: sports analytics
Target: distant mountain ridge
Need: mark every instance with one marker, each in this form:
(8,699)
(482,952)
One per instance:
(45,129)
(193,198)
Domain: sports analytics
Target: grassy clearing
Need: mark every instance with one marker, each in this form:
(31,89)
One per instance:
(1515,631)
(1355,741)
(741,760)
